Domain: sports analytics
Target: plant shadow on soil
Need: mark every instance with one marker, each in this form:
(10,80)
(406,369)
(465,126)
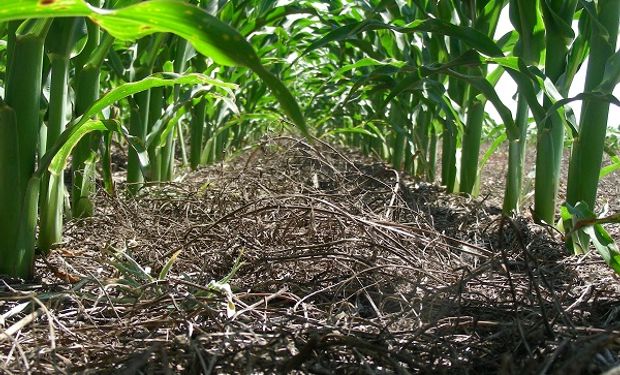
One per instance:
(347,267)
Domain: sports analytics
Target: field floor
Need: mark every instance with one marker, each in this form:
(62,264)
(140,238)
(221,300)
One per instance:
(307,259)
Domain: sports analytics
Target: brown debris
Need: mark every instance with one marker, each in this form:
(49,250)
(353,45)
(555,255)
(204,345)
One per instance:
(346,267)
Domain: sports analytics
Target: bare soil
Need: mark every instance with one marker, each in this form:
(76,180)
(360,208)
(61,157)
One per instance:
(336,264)
(494,176)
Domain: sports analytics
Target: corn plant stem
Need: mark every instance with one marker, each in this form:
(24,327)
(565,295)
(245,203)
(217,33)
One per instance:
(138,119)
(179,65)
(52,188)
(155,160)
(549,149)
(93,39)
(20,122)
(398,148)
(137,127)
(218,140)
(23,95)
(448,156)
(421,140)
(13,261)
(221,142)
(471,144)
(167,156)
(451,136)
(432,155)
(205,157)
(60,41)
(398,122)
(106,162)
(86,87)
(197,128)
(139,114)
(182,148)
(155,110)
(588,147)
(10,45)
(240,134)
(516,160)
(409,159)
(550,138)
(525,17)
(88,70)
(82,186)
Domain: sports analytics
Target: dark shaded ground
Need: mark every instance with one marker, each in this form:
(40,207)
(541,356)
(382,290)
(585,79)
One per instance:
(346,267)
(494,177)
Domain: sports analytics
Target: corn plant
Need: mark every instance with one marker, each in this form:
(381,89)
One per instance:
(603,74)
(59,44)
(526,18)
(88,66)
(452,81)
(21,119)
(557,16)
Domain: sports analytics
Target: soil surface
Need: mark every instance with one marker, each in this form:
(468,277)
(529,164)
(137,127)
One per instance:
(494,177)
(307,259)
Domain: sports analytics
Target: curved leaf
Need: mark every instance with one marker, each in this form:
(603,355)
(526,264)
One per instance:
(116,94)
(469,35)
(208,35)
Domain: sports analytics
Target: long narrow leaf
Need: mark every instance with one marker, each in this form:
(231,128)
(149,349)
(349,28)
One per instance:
(210,36)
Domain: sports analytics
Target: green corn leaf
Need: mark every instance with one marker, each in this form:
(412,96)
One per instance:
(527,20)
(164,271)
(73,130)
(480,83)
(171,116)
(605,245)
(555,15)
(58,162)
(167,126)
(576,55)
(132,268)
(368,61)
(356,130)
(469,35)
(578,241)
(586,228)
(486,21)
(614,166)
(508,41)
(590,9)
(499,140)
(376,131)
(273,15)
(612,74)
(208,35)
(583,96)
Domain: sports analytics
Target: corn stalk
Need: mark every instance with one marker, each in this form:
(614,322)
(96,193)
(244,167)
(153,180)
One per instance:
(602,76)
(60,40)
(526,19)
(20,124)
(557,17)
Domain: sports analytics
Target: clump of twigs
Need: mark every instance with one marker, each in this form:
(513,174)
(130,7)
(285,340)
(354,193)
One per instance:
(303,258)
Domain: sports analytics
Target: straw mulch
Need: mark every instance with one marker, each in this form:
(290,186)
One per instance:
(336,264)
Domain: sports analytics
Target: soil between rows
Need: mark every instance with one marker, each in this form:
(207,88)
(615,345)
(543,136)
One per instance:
(337,264)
